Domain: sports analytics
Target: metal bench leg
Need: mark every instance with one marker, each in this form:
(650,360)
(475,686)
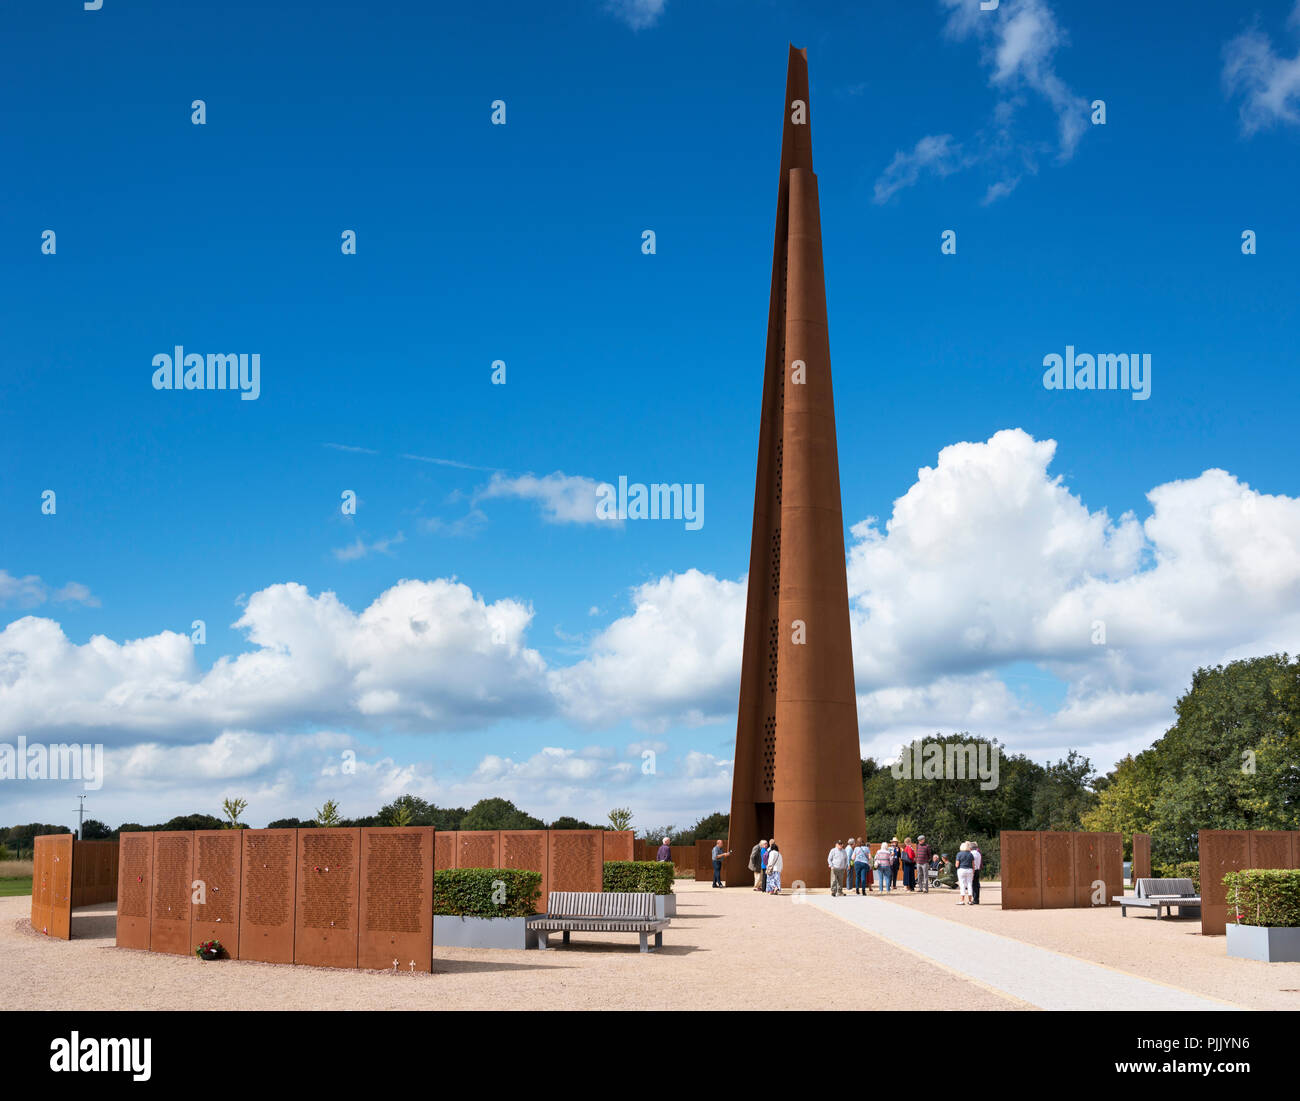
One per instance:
(645,947)
(543,940)
(566,936)
(659,940)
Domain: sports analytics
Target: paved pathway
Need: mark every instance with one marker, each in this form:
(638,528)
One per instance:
(1035,975)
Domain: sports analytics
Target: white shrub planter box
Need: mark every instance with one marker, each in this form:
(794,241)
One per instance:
(477,932)
(1255,942)
(665,906)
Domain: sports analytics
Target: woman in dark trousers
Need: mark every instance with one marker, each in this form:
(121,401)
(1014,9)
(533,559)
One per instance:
(895,865)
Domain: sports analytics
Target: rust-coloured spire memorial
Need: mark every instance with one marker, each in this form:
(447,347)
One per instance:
(797,777)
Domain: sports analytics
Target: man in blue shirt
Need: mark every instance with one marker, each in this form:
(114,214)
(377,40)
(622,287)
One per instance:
(718,854)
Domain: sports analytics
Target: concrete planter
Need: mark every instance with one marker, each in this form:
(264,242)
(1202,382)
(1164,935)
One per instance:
(476,932)
(1255,942)
(665,906)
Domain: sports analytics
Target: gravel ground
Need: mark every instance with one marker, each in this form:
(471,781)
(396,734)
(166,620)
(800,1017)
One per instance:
(725,950)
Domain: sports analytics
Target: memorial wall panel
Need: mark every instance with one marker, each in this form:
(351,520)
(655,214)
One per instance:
(94,872)
(1220,852)
(704,861)
(573,861)
(527,849)
(60,923)
(173,869)
(40,912)
(217,861)
(134,889)
(444,850)
(396,898)
(267,894)
(1057,869)
(1270,849)
(329,877)
(1087,867)
(478,849)
(1022,885)
(1111,869)
(618,845)
(1141,857)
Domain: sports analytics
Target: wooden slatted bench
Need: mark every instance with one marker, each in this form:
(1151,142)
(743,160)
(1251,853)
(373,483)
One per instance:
(1158,894)
(600,912)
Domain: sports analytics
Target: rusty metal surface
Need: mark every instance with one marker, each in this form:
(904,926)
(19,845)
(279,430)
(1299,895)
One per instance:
(134,889)
(218,858)
(1141,857)
(396,898)
(527,849)
(267,894)
(328,883)
(173,870)
(574,860)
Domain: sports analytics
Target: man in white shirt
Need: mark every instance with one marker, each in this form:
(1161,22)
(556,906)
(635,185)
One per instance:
(838,862)
(979,863)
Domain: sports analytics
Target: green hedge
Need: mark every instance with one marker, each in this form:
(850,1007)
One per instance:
(623,876)
(1187,869)
(1264,896)
(476,892)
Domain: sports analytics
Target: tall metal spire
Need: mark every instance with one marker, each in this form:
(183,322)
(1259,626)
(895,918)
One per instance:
(797,776)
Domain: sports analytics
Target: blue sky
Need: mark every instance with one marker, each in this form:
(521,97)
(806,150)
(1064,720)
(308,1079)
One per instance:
(567,647)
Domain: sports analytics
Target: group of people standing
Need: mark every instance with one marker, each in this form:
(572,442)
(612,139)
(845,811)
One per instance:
(854,862)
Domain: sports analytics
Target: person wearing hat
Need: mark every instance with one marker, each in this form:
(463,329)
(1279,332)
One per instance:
(923,856)
(896,862)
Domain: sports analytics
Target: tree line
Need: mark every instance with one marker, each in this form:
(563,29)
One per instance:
(1231,760)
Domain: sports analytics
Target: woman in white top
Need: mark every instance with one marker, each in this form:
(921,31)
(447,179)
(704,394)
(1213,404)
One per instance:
(965,874)
(774,865)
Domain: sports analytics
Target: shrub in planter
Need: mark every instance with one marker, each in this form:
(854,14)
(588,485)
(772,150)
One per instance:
(625,876)
(486,892)
(1264,913)
(1268,897)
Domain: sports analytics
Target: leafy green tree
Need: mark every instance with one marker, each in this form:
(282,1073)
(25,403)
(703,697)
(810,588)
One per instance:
(567,822)
(399,815)
(194,822)
(620,818)
(711,827)
(286,824)
(499,814)
(1063,795)
(233,808)
(92,829)
(327,817)
(1231,760)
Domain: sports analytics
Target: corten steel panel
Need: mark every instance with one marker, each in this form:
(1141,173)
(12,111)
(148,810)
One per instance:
(1022,882)
(173,873)
(1087,867)
(40,885)
(478,849)
(1112,864)
(573,861)
(796,775)
(444,850)
(1141,857)
(1058,875)
(527,849)
(1270,849)
(94,872)
(396,898)
(134,889)
(618,845)
(329,878)
(704,862)
(217,861)
(61,887)
(267,894)
(1220,852)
